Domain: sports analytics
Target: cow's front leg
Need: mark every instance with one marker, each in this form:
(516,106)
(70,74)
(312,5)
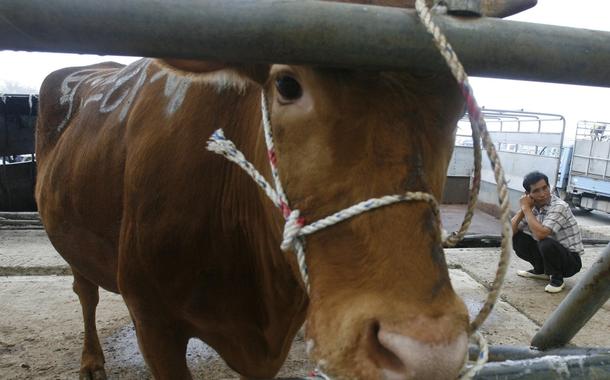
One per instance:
(92,360)
(164,347)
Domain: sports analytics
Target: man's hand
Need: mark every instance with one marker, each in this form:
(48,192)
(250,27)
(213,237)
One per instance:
(526,202)
(538,230)
(516,219)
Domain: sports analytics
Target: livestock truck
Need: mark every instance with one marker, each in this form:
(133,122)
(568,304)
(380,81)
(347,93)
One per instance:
(527,141)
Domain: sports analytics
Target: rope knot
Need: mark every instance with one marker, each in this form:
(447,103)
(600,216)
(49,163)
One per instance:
(292,229)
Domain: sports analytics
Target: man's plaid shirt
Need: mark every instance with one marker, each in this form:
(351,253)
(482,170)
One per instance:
(559,218)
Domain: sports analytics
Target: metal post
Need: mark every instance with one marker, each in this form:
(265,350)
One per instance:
(591,292)
(549,368)
(607,155)
(304,32)
(503,352)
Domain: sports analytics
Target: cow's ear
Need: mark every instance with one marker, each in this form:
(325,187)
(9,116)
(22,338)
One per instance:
(255,72)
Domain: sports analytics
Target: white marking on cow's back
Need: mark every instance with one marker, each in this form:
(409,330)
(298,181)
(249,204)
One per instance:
(176,87)
(92,98)
(112,87)
(102,78)
(107,81)
(129,93)
(68,92)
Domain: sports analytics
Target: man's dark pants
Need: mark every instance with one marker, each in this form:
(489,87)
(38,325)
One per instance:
(547,256)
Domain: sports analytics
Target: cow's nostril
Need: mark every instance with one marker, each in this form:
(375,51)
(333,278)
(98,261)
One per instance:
(379,354)
(405,357)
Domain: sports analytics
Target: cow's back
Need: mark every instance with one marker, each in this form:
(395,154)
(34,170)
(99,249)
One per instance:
(121,153)
(80,155)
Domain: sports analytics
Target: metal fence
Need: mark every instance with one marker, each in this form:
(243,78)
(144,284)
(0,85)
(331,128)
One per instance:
(306,32)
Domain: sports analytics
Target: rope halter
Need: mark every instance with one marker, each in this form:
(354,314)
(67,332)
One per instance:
(295,228)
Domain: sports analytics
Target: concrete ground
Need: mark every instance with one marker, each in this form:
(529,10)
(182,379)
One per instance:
(41,324)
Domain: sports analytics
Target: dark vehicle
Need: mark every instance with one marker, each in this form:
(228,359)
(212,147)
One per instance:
(17,159)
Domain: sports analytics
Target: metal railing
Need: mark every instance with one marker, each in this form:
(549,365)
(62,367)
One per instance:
(304,32)
(528,125)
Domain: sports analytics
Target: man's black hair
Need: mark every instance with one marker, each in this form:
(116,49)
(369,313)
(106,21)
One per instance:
(532,178)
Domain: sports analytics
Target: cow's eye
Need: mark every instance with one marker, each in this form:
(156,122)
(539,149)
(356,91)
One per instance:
(288,88)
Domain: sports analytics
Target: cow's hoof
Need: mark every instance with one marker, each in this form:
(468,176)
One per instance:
(98,374)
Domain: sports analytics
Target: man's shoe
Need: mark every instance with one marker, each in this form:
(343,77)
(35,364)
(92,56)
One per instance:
(531,274)
(555,286)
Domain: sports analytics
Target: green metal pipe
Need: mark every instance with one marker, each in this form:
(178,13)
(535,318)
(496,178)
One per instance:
(304,32)
(507,352)
(596,367)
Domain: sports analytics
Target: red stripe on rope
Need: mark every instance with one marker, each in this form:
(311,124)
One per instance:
(285,209)
(272,157)
(473,108)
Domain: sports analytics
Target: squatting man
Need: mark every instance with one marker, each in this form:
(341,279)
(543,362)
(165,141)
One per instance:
(546,235)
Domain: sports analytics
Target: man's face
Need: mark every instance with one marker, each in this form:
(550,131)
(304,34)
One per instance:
(540,193)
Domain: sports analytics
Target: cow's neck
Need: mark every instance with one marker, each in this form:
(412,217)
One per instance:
(259,222)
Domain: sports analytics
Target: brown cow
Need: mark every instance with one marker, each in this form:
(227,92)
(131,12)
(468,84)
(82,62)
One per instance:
(132,199)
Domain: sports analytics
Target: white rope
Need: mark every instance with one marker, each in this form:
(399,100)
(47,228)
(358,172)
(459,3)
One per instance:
(469,370)
(294,229)
(365,206)
(271,149)
(219,144)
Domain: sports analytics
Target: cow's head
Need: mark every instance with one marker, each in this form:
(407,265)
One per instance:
(381,304)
